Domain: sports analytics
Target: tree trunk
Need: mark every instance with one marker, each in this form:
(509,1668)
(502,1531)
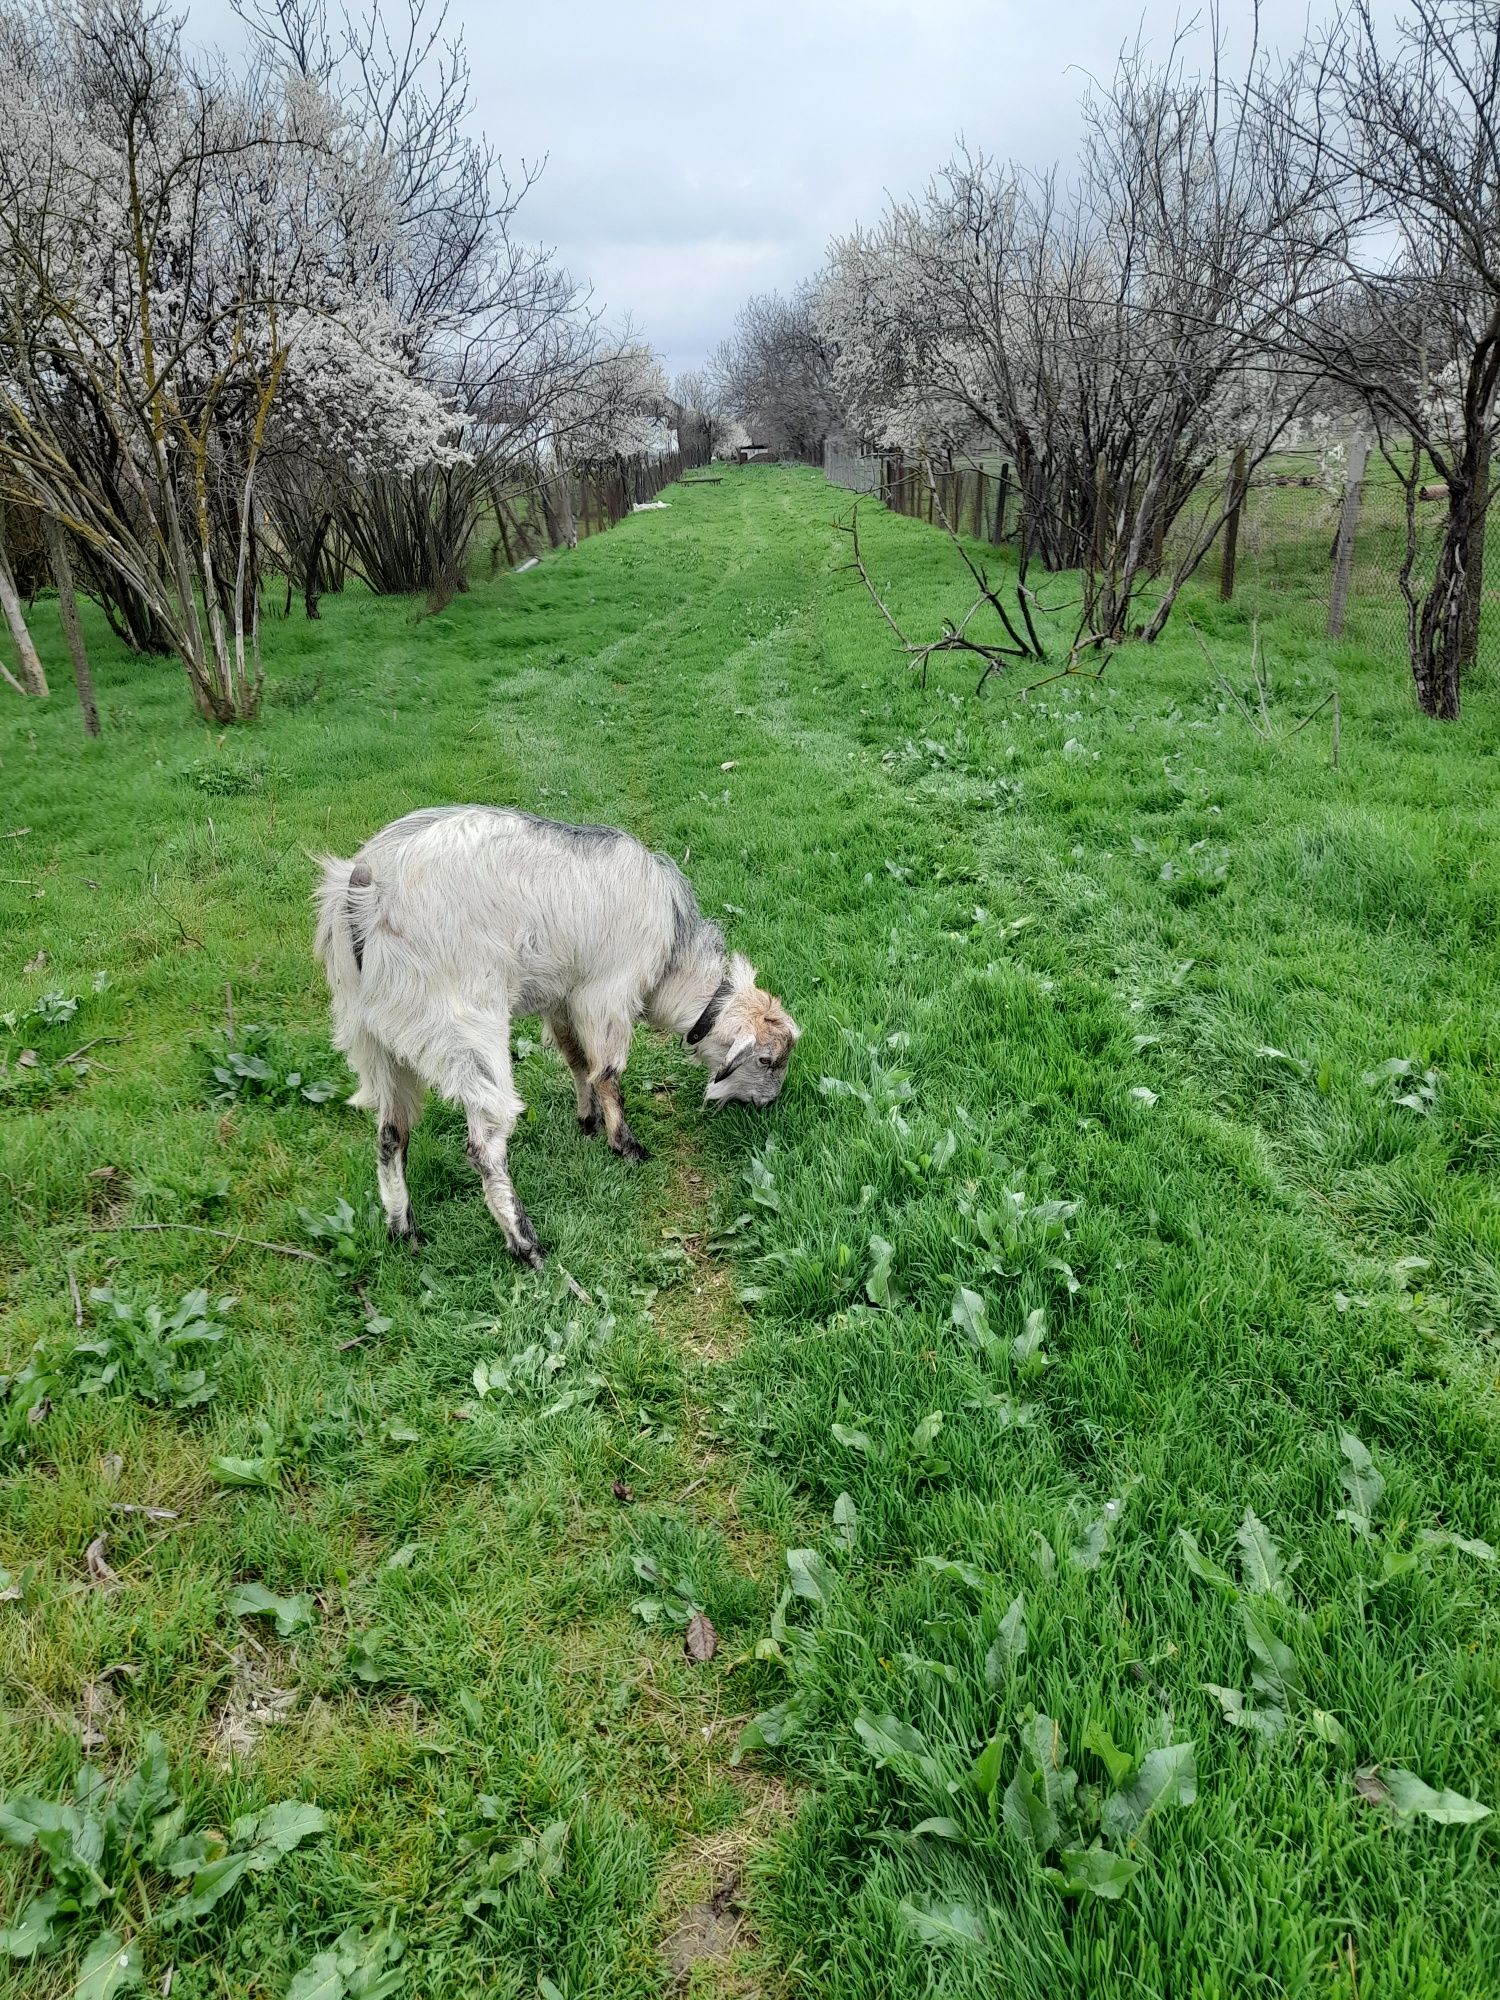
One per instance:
(1474,561)
(1437,648)
(1238,478)
(313,576)
(67,605)
(33,674)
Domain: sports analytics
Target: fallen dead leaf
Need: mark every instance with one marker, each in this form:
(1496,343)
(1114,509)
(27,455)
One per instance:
(95,1711)
(1372,1787)
(111,1466)
(37,964)
(701,1641)
(39,1411)
(150,1513)
(253,1705)
(99,1570)
(729,764)
(623,1493)
(27,1059)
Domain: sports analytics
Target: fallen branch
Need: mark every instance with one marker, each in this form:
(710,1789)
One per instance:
(84,1047)
(198,1229)
(955,637)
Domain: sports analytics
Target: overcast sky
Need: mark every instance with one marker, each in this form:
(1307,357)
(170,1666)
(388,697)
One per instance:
(700,150)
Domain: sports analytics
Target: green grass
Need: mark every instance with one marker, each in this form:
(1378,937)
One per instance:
(998,919)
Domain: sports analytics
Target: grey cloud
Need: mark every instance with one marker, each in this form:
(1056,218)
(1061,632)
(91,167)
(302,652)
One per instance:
(697,152)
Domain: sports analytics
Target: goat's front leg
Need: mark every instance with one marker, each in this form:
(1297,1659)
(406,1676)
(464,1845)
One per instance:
(603,1018)
(568,1046)
(616,1127)
(487,1143)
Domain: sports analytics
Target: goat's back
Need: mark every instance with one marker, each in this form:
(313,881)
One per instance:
(522,909)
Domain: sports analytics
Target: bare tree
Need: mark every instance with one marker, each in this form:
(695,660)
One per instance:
(185,278)
(1411,120)
(1114,333)
(774,373)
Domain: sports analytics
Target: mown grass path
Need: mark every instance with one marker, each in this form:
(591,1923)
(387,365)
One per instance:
(1090,986)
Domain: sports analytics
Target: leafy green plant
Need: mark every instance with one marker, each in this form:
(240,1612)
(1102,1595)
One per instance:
(337,1230)
(146,1352)
(358,1965)
(254,1066)
(32,1077)
(541,1856)
(225,777)
(1405,1083)
(564,1366)
(1060,1819)
(112,1853)
(253,1600)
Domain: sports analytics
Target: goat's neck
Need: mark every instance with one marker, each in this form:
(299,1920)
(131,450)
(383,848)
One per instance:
(689,990)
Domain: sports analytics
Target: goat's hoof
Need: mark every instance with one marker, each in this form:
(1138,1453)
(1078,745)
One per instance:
(630,1148)
(590,1126)
(524,1246)
(404,1230)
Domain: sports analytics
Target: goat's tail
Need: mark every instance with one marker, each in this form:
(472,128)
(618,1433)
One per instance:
(342,898)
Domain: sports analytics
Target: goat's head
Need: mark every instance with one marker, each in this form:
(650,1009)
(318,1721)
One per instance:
(745,1038)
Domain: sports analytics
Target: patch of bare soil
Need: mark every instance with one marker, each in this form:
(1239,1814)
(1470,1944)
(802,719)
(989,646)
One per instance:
(709,1944)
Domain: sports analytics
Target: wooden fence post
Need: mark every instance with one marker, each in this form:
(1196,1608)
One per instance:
(1004,494)
(1343,548)
(1237,476)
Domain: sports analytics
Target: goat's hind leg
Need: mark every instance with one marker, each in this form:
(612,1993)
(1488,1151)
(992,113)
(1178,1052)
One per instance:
(479,1078)
(487,1143)
(395,1092)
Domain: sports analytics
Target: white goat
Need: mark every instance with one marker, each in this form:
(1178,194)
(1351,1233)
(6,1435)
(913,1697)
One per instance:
(453,919)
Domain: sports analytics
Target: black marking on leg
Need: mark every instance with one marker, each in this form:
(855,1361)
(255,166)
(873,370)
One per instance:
(391,1144)
(480,1160)
(629,1147)
(591,1121)
(523,1239)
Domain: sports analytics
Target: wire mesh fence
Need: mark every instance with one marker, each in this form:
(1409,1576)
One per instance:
(1287,556)
(578,501)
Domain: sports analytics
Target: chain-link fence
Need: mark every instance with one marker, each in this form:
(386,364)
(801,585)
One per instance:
(1287,559)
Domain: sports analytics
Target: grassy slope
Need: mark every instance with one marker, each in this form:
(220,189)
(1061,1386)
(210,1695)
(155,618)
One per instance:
(883,848)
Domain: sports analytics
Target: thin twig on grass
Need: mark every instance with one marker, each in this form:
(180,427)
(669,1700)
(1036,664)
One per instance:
(77,1295)
(84,1047)
(198,1229)
(573,1285)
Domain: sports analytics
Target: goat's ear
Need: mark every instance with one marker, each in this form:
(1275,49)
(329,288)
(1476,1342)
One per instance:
(738,1049)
